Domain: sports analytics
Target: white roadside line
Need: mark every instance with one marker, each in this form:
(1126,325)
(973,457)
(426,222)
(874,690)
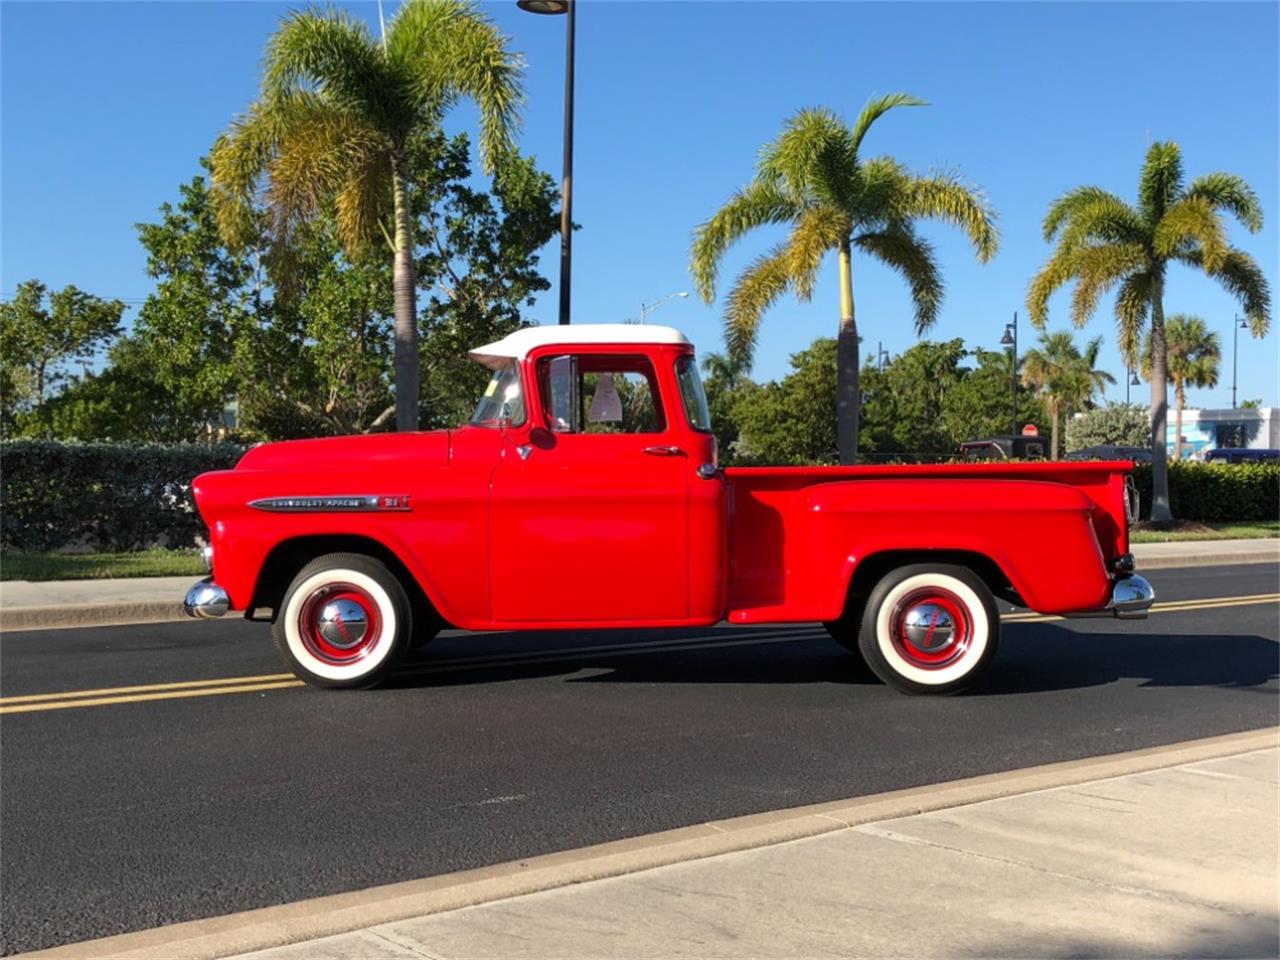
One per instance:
(325,916)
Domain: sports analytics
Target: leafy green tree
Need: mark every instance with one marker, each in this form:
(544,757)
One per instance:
(1115,424)
(42,335)
(787,422)
(333,125)
(978,404)
(813,179)
(725,383)
(1104,242)
(905,403)
(1063,377)
(1193,353)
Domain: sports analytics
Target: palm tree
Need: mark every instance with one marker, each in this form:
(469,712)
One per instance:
(813,179)
(1104,242)
(719,366)
(1063,377)
(1193,354)
(331,130)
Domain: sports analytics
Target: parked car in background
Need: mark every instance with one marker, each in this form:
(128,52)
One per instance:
(1111,451)
(1242,455)
(1018,447)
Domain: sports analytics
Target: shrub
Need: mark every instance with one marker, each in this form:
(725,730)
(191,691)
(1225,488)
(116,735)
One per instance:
(1216,492)
(1121,424)
(106,496)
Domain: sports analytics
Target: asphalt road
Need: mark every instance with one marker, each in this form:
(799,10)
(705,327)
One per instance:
(129,814)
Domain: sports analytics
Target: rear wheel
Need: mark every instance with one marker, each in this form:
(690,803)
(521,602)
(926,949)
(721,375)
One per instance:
(345,622)
(929,628)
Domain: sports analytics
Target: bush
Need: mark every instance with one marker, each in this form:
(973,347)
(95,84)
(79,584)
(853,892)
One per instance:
(1216,492)
(104,496)
(1119,424)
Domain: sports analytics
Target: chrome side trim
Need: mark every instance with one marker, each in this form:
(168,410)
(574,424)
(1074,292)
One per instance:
(334,503)
(206,600)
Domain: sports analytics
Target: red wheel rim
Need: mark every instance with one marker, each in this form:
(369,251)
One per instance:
(340,623)
(931,628)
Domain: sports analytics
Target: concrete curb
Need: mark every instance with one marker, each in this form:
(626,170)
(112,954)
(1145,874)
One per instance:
(1207,559)
(63,616)
(343,913)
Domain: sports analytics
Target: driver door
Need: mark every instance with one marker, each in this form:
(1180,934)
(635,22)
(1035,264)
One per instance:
(589,509)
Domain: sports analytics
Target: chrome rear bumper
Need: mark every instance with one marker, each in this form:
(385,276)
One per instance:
(206,600)
(1131,598)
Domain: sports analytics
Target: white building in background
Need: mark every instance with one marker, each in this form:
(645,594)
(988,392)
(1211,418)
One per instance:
(1202,430)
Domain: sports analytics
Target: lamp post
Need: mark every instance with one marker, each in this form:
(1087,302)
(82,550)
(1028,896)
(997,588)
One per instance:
(646,309)
(1236,324)
(1010,339)
(882,356)
(556,7)
(1130,380)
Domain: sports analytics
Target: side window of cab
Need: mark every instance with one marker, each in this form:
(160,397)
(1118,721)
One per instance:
(600,394)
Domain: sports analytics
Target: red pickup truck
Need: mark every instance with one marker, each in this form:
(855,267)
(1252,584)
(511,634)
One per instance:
(585,493)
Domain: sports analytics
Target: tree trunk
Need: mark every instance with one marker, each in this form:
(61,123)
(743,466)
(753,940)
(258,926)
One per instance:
(1180,398)
(406,306)
(1160,510)
(1053,432)
(848,389)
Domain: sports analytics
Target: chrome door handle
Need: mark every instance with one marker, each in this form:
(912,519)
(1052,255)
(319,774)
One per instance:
(664,451)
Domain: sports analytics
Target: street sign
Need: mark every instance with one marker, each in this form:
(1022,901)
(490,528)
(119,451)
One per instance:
(1030,430)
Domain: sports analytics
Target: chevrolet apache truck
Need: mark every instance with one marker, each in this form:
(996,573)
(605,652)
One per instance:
(585,493)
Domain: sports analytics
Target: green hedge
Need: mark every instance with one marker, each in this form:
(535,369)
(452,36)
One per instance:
(1216,492)
(104,496)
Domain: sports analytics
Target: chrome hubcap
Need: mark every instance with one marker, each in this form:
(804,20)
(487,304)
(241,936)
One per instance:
(343,623)
(928,627)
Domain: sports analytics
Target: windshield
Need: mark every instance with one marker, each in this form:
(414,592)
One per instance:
(502,398)
(695,401)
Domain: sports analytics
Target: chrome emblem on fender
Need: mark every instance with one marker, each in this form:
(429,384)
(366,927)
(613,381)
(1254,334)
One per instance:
(354,503)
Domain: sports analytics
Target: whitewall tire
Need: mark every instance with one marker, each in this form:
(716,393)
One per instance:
(929,628)
(345,621)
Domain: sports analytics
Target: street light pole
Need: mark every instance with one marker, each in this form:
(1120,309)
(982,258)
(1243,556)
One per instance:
(1236,324)
(646,309)
(569,7)
(1010,338)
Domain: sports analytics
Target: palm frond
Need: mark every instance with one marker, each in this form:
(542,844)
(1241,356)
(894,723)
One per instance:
(1161,180)
(883,191)
(1056,273)
(945,197)
(757,204)
(876,108)
(913,258)
(818,231)
(452,50)
(1240,274)
(1133,304)
(794,159)
(1226,191)
(1062,209)
(1192,221)
(756,290)
(364,200)
(1097,270)
(1103,219)
(331,52)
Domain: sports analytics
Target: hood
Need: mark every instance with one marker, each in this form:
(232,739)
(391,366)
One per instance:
(360,452)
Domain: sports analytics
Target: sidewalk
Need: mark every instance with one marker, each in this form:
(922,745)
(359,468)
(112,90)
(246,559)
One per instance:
(64,603)
(1179,862)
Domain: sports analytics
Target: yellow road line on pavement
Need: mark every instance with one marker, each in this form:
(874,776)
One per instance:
(32,703)
(139,697)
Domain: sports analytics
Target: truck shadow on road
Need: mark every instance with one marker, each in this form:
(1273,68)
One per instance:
(1032,658)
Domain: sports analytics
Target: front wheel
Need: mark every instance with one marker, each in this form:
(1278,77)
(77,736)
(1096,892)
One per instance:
(929,628)
(345,622)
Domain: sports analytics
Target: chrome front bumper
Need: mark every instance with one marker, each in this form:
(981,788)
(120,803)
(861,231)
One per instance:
(1131,598)
(206,600)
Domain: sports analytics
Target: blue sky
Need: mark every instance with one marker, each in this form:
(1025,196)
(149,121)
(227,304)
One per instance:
(107,106)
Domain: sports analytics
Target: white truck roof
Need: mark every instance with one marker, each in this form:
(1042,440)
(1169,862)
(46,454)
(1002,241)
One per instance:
(517,345)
